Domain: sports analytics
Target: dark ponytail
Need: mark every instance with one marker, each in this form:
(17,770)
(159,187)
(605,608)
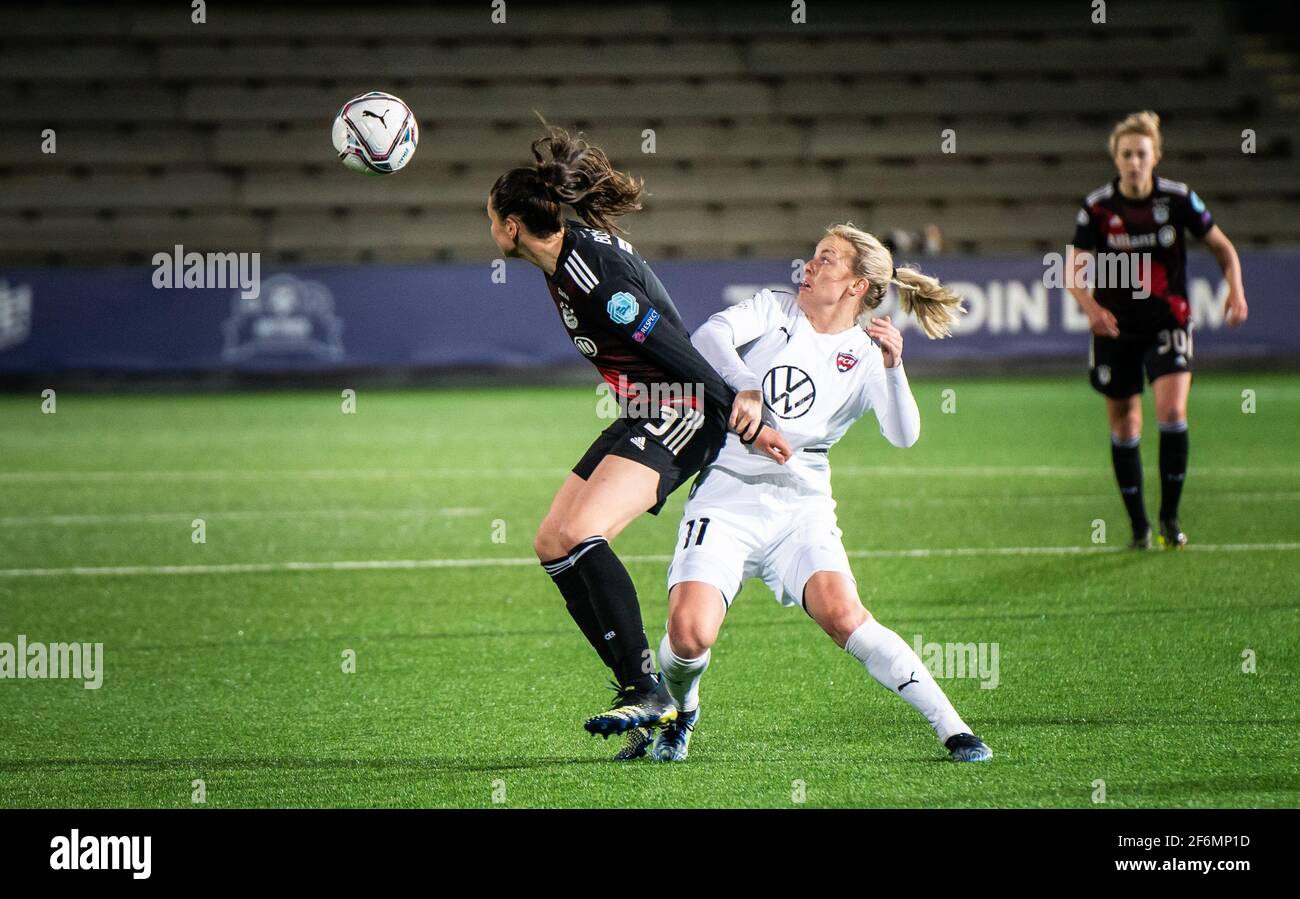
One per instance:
(566,171)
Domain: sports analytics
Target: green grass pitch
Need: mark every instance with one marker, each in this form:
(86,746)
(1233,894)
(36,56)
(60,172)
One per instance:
(471,682)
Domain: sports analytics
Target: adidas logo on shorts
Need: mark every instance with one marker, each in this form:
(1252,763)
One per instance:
(639,441)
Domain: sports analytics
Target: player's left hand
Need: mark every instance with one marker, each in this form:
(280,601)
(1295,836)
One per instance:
(747,414)
(1234,309)
(889,338)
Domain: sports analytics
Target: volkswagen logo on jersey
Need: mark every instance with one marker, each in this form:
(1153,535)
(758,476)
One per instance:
(622,307)
(1167,236)
(585,345)
(566,313)
(788,391)
(845,361)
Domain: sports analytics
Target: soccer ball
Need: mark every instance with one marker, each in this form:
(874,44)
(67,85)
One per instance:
(375,133)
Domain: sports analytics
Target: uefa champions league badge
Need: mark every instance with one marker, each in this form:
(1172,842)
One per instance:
(622,307)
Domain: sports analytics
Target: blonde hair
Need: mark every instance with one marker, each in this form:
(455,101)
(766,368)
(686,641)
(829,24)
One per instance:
(935,306)
(1145,123)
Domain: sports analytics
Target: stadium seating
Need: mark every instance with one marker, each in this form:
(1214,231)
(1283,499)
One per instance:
(216,135)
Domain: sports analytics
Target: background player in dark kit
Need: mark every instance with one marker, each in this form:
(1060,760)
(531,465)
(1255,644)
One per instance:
(1149,326)
(621,318)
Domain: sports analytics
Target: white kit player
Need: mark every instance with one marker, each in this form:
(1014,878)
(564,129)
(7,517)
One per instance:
(813,364)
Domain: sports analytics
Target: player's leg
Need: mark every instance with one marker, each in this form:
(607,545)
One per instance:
(1168,366)
(724,526)
(1116,372)
(555,560)
(831,598)
(553,553)
(618,491)
(1125,418)
(695,613)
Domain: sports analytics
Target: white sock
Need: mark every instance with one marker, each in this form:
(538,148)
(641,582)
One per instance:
(682,676)
(889,659)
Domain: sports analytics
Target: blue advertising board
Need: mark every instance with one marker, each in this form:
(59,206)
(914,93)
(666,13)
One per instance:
(417,316)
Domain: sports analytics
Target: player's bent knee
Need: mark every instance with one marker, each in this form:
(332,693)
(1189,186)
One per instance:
(571,532)
(547,543)
(833,602)
(690,637)
(843,620)
(695,617)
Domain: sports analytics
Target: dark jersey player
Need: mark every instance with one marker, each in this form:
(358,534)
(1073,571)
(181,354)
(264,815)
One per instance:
(618,315)
(1139,313)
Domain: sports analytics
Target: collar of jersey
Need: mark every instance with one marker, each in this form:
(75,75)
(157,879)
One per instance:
(570,241)
(818,335)
(1140,200)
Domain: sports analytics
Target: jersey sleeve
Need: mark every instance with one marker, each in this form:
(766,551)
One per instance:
(631,316)
(1195,216)
(888,394)
(735,326)
(1084,237)
(752,318)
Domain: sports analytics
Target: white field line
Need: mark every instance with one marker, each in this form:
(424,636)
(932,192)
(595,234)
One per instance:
(419,564)
(381,474)
(239,515)
(900,502)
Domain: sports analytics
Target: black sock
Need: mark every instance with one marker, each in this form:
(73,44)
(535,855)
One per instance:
(1173,467)
(1127,459)
(613,597)
(573,589)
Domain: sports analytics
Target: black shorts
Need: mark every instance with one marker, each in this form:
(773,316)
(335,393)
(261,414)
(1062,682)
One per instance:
(1116,363)
(675,445)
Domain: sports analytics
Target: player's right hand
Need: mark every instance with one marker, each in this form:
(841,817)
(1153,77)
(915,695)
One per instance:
(746,414)
(770,443)
(1102,322)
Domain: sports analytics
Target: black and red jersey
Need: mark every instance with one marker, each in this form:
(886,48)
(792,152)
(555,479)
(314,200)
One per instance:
(1150,228)
(620,317)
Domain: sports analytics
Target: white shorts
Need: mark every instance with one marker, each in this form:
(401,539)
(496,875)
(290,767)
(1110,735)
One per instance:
(736,527)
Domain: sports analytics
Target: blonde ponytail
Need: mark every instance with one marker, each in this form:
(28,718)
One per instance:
(935,307)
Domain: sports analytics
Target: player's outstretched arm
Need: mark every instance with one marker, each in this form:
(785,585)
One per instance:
(715,339)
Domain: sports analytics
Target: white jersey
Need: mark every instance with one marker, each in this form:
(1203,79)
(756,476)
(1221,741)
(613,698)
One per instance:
(815,386)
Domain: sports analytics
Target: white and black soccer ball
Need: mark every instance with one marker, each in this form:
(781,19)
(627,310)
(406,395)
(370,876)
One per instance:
(375,133)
